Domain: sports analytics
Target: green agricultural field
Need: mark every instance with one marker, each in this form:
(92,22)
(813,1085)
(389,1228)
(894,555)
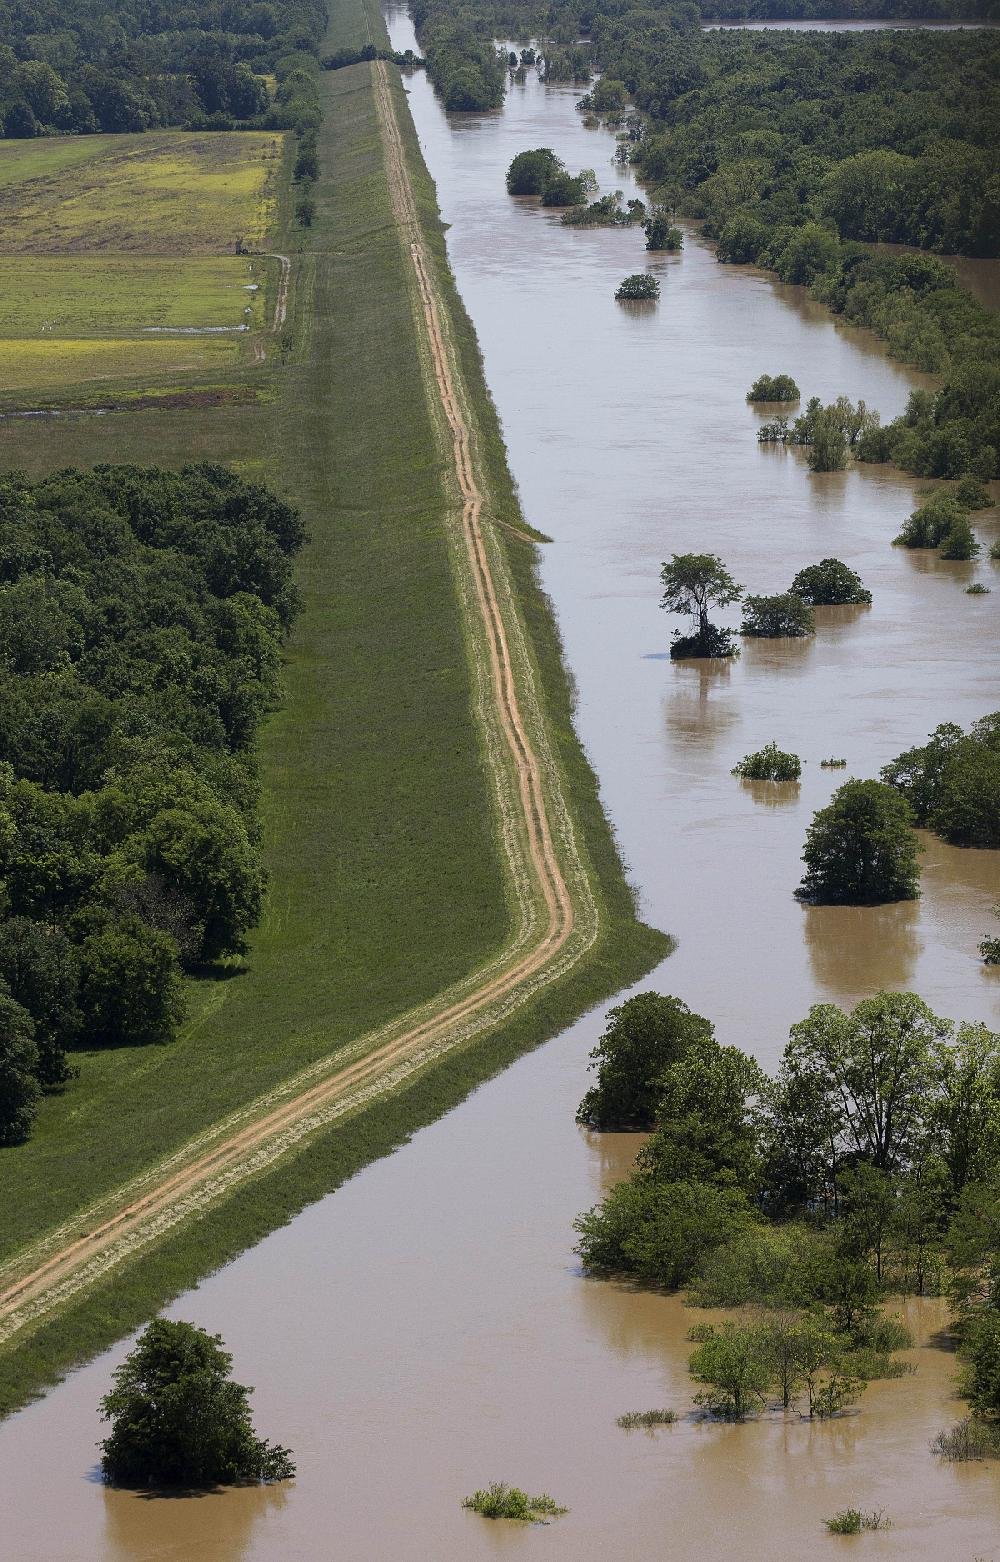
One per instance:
(67,296)
(50,366)
(165,192)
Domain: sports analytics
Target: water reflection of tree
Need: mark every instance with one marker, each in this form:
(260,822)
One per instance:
(772,794)
(701,708)
(789,656)
(856,950)
(217,1524)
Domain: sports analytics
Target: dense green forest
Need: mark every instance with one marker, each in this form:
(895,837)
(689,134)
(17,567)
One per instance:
(77,66)
(141,619)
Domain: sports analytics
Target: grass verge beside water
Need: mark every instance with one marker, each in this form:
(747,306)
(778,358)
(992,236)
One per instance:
(385,880)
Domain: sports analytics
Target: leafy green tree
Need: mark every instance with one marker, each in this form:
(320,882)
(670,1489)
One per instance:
(769,763)
(707,1129)
(959,541)
(660,1231)
(829,583)
(565,189)
(861,849)
(38,965)
(981,1378)
(638,287)
(869,1202)
(964,1110)
(736,1366)
(642,1037)
(19,1087)
(783,617)
(829,445)
(952,782)
(530,172)
(661,233)
(178,1420)
(773,387)
(130,989)
(692,583)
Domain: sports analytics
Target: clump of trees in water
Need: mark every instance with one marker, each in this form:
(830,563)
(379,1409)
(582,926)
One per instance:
(769,763)
(500,1501)
(179,1421)
(541,172)
(638,287)
(607,212)
(861,849)
(661,233)
(142,616)
(830,583)
(832,433)
(693,583)
(869,1164)
(782,617)
(940,522)
(773,387)
(951,783)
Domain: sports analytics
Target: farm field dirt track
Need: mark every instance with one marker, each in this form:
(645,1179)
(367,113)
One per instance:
(557,917)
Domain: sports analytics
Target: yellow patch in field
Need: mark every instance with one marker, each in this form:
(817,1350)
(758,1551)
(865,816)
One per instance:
(164,192)
(52,366)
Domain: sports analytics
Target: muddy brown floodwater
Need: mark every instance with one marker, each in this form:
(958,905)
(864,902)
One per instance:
(426,1329)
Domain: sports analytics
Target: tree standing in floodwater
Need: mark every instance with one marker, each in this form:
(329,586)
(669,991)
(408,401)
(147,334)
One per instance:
(692,583)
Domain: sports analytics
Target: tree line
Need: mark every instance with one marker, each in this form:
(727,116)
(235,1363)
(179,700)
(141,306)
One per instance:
(79,66)
(142,614)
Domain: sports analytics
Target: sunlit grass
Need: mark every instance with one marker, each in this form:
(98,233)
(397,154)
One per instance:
(165,192)
(121,295)
(49,365)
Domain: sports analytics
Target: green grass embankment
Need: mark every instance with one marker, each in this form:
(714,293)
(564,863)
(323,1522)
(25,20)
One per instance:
(385,880)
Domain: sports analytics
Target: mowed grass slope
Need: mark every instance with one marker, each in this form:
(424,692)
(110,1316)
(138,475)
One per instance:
(53,362)
(71,296)
(165,192)
(385,881)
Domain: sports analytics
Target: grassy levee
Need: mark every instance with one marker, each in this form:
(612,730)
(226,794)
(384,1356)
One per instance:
(386,880)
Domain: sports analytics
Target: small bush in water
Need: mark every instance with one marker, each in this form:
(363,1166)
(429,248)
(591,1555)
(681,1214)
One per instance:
(774,387)
(646,1419)
(852,1521)
(833,764)
(638,286)
(500,1501)
(969,1440)
(977,589)
(770,763)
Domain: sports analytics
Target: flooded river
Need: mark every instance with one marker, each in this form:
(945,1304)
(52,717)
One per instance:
(426,1330)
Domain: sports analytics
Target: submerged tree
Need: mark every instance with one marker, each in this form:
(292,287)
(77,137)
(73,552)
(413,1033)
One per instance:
(829,583)
(178,1419)
(782,617)
(692,583)
(640,285)
(661,234)
(642,1038)
(530,172)
(861,849)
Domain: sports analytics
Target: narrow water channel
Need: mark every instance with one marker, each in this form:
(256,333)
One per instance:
(426,1330)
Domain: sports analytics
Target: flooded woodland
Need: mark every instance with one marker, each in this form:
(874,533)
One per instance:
(427,1329)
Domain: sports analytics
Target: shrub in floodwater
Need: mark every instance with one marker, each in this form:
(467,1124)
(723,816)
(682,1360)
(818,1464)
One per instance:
(770,763)
(861,850)
(646,1419)
(781,617)
(830,583)
(639,286)
(833,764)
(969,1440)
(977,589)
(959,541)
(660,235)
(500,1501)
(774,387)
(995,551)
(715,642)
(990,947)
(972,494)
(930,523)
(852,1521)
